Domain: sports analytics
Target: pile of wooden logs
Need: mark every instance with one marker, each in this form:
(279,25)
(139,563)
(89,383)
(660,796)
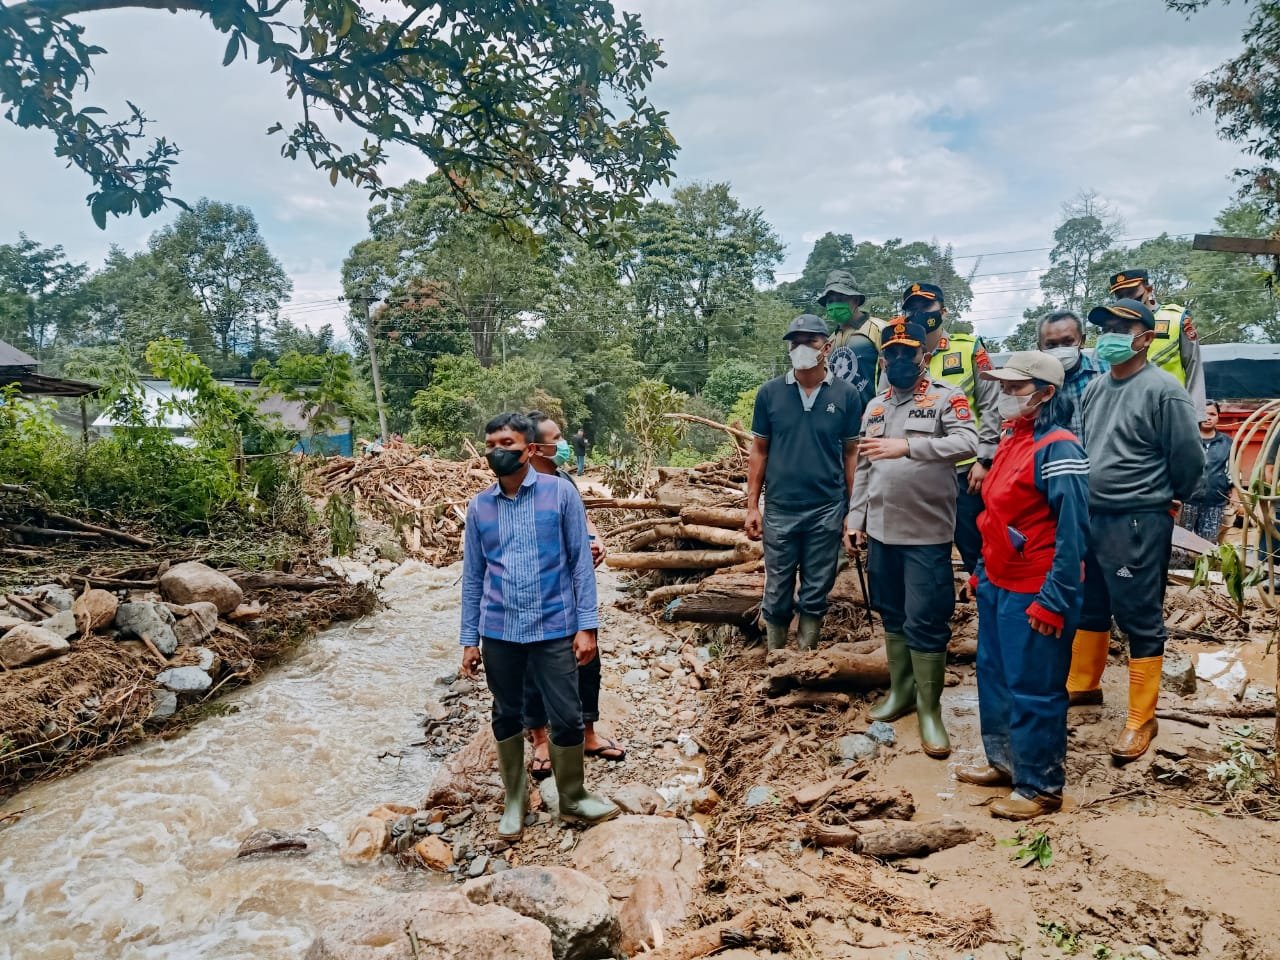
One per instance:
(424,499)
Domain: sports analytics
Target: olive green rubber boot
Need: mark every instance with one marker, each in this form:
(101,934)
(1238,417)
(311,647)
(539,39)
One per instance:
(575,803)
(775,634)
(930,670)
(511,768)
(901,698)
(808,632)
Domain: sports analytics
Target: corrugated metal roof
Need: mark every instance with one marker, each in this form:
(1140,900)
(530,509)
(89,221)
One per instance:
(11,356)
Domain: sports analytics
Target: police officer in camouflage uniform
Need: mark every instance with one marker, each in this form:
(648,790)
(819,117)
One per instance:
(855,336)
(904,504)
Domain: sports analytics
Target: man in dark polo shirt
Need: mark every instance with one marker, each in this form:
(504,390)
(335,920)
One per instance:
(803,456)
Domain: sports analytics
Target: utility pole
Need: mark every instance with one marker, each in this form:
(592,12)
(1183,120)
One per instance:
(365,300)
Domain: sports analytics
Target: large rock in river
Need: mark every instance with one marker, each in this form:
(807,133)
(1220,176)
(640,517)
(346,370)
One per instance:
(154,621)
(576,909)
(27,643)
(446,926)
(193,581)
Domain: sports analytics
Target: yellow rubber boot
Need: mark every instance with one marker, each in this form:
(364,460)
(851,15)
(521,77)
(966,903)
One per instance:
(1088,660)
(1144,691)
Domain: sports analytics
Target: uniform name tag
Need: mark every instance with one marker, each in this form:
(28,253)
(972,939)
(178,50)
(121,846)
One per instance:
(1162,329)
(926,414)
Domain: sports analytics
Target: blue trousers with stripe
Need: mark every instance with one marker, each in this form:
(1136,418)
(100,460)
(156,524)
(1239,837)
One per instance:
(1022,691)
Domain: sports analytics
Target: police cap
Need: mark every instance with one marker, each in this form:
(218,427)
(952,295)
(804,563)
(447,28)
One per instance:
(1129,278)
(927,291)
(1125,309)
(902,332)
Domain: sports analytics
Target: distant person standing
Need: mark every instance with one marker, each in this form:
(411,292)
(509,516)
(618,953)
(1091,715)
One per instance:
(529,609)
(803,454)
(1143,443)
(1062,337)
(855,335)
(580,444)
(1203,513)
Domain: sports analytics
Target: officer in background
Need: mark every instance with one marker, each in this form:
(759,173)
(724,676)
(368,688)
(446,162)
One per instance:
(1177,345)
(855,336)
(956,360)
(904,502)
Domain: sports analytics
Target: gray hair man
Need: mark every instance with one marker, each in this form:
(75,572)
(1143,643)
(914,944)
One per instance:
(1061,335)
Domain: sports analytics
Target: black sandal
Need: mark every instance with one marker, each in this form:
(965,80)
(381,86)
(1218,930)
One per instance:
(540,768)
(619,752)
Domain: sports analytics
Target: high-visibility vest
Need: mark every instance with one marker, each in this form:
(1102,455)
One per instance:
(1166,351)
(952,362)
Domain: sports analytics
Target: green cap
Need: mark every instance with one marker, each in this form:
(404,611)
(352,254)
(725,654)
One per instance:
(840,281)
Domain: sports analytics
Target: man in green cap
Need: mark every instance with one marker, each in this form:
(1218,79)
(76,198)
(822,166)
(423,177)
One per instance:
(855,336)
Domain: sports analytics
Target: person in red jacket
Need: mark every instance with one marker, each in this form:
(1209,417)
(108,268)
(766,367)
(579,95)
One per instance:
(1034,529)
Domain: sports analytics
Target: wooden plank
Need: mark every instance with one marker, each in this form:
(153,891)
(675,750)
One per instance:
(1255,245)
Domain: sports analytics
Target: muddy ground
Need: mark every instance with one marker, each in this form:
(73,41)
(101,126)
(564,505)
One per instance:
(1149,860)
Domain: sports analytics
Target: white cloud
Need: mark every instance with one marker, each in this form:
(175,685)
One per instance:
(967,122)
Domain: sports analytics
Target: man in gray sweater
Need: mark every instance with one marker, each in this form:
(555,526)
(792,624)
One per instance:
(1143,442)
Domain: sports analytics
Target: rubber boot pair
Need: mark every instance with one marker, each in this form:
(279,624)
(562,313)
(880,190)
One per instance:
(1142,727)
(1088,660)
(808,630)
(915,683)
(576,804)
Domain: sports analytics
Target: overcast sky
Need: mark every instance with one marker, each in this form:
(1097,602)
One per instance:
(969,123)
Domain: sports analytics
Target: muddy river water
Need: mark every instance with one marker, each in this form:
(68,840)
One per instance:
(135,857)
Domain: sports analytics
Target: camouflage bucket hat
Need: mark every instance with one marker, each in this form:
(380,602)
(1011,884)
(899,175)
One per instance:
(840,281)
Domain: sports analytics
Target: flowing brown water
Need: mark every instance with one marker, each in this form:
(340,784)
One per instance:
(134,857)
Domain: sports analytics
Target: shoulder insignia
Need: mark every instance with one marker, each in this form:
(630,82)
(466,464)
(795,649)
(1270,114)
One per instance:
(980,358)
(1189,328)
(960,404)
(942,343)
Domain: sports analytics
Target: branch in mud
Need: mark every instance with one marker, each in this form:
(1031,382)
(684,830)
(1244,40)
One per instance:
(890,839)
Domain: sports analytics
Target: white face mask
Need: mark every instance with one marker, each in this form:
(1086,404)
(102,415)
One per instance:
(805,357)
(1069,357)
(1013,407)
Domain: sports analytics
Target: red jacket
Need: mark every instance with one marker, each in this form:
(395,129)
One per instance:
(1036,518)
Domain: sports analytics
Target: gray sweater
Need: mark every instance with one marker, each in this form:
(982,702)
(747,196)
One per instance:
(1143,442)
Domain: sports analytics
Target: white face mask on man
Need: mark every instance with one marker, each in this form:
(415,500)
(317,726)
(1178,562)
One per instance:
(805,357)
(1069,357)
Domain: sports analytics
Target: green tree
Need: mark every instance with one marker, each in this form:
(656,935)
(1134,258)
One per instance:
(1078,269)
(1243,94)
(728,381)
(549,96)
(1232,297)
(41,294)
(694,273)
(136,298)
(220,256)
(883,271)
(323,384)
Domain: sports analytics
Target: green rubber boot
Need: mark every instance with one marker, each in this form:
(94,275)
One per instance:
(901,698)
(930,670)
(808,632)
(576,804)
(511,767)
(776,635)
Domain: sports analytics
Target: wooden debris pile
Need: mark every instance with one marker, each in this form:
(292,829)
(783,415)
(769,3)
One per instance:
(29,524)
(423,499)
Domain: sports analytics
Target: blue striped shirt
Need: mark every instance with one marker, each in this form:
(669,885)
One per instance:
(1074,386)
(526,564)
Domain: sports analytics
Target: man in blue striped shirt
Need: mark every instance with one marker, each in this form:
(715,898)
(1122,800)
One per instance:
(529,607)
(1062,337)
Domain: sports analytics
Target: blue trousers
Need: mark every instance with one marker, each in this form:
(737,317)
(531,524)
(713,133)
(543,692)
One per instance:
(1022,691)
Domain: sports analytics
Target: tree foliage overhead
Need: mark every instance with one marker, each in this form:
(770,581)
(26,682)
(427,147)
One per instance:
(1243,95)
(547,96)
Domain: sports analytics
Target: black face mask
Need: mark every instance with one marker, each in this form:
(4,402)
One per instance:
(902,372)
(504,461)
(930,320)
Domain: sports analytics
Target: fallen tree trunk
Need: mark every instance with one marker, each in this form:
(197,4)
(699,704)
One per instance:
(716,536)
(810,700)
(673,560)
(613,503)
(708,940)
(704,607)
(836,667)
(661,595)
(268,580)
(730,518)
(890,839)
(105,531)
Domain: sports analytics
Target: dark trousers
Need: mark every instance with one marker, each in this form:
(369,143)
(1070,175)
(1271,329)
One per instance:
(968,539)
(1022,691)
(913,591)
(535,711)
(1124,577)
(806,542)
(551,666)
